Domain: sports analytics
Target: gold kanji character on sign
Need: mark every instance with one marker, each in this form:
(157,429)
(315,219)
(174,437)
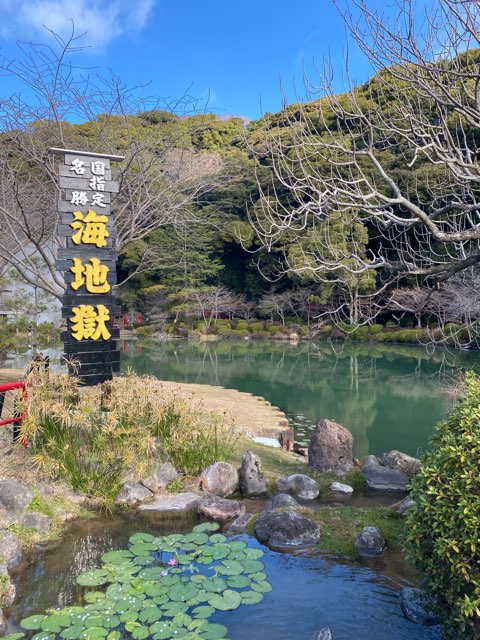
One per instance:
(91,229)
(89,322)
(93,276)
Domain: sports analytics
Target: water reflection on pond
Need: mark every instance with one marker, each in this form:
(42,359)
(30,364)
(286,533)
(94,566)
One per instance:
(388,396)
(309,592)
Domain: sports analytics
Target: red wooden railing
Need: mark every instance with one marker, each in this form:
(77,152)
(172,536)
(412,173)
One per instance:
(17,418)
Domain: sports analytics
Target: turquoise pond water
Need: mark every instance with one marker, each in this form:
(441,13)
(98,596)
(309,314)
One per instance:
(388,396)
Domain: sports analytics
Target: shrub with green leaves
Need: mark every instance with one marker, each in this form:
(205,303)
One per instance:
(160,587)
(443,528)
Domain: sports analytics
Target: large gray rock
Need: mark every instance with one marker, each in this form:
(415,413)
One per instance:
(220,479)
(10,549)
(331,448)
(252,480)
(324,634)
(382,478)
(401,462)
(15,497)
(370,542)
(299,485)
(160,477)
(286,529)
(415,605)
(176,502)
(37,521)
(282,501)
(220,508)
(132,493)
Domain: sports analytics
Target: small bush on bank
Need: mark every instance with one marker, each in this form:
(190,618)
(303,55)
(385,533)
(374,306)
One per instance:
(443,528)
(273,329)
(240,333)
(146,331)
(92,437)
(256,326)
(375,329)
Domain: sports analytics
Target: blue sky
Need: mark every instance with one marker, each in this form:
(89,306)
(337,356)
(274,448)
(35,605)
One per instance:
(236,54)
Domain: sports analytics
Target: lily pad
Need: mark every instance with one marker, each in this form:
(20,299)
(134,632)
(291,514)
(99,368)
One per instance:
(217,537)
(215,585)
(227,601)
(237,544)
(43,635)
(239,581)
(150,615)
(93,578)
(116,557)
(252,553)
(140,633)
(213,631)
(72,633)
(55,623)
(261,587)
(203,611)
(141,537)
(253,566)
(197,537)
(94,596)
(143,548)
(230,568)
(251,597)
(94,633)
(207,526)
(32,622)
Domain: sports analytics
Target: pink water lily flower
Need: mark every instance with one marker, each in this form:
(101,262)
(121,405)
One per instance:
(172,562)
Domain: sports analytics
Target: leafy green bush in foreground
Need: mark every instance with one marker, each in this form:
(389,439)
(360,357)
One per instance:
(443,529)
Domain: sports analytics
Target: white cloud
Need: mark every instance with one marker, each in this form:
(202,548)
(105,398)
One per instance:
(102,20)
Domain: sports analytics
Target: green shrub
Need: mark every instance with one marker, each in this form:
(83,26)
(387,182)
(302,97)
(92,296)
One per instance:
(451,328)
(390,324)
(443,527)
(406,322)
(360,333)
(256,326)
(146,331)
(375,329)
(261,334)
(242,324)
(273,329)
(240,333)
(224,331)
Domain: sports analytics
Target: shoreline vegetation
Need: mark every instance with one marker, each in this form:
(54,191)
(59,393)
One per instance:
(295,330)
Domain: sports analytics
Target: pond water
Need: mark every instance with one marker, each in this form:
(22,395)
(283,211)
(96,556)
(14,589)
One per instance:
(388,396)
(356,600)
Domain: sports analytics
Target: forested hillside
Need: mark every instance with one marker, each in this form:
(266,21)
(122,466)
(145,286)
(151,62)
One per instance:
(305,214)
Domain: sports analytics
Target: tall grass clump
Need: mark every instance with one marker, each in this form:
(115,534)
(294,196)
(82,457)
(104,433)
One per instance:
(93,437)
